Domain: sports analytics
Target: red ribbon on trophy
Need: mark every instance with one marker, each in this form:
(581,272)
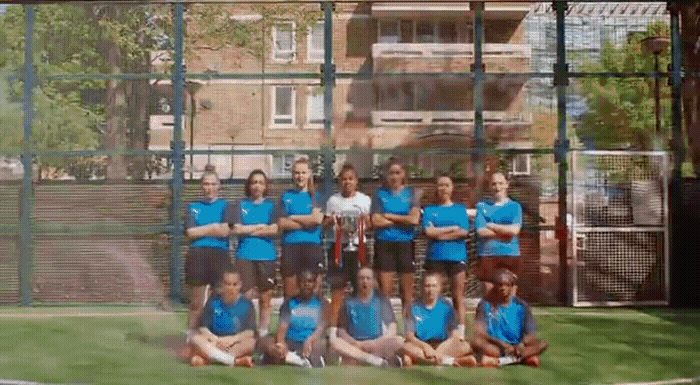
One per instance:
(361,253)
(338,240)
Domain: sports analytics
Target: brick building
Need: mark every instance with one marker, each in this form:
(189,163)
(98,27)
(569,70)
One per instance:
(376,110)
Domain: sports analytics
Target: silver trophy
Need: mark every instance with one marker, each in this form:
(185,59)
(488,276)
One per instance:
(348,223)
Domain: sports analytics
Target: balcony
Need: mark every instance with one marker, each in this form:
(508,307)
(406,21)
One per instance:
(446,57)
(425,118)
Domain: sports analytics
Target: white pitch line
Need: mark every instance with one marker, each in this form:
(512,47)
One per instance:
(664,382)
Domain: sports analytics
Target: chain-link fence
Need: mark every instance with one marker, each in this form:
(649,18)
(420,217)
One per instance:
(111,111)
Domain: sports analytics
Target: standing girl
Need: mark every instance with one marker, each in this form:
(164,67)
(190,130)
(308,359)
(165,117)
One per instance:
(395,212)
(300,220)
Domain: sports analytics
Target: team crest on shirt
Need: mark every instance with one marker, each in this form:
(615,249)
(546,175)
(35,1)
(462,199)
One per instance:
(244,211)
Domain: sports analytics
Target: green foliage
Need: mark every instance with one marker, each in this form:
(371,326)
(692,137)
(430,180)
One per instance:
(622,110)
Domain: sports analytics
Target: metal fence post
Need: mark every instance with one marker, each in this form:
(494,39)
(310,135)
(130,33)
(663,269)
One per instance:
(478,70)
(678,144)
(177,157)
(328,73)
(561,147)
(26,193)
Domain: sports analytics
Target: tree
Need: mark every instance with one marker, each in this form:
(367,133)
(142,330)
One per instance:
(84,39)
(622,110)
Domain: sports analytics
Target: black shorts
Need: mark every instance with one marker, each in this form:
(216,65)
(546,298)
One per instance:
(394,256)
(300,256)
(339,276)
(256,273)
(205,265)
(450,268)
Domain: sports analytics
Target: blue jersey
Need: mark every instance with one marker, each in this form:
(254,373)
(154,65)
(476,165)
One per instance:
(510,213)
(252,248)
(431,324)
(302,317)
(202,213)
(295,202)
(400,203)
(443,216)
(509,322)
(366,320)
(225,319)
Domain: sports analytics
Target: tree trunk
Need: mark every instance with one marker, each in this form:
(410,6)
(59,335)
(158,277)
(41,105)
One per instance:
(116,109)
(690,32)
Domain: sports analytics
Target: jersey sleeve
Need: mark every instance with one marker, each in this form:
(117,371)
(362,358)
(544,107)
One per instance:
(387,313)
(518,214)
(376,205)
(189,219)
(274,214)
(464,218)
(316,201)
(367,205)
(285,313)
(331,205)
(480,218)
(233,213)
(425,222)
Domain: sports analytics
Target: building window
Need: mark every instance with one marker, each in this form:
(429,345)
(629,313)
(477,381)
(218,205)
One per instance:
(284,48)
(388,31)
(521,164)
(315,42)
(315,107)
(283,106)
(282,165)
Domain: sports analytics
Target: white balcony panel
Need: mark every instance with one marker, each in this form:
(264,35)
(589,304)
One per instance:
(402,118)
(445,50)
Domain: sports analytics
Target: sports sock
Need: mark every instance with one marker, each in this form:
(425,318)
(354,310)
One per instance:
(374,360)
(447,361)
(294,359)
(507,360)
(262,332)
(462,329)
(222,357)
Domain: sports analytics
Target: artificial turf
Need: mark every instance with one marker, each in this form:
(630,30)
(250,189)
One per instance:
(129,346)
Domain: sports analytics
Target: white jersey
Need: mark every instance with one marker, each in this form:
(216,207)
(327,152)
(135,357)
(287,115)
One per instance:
(357,205)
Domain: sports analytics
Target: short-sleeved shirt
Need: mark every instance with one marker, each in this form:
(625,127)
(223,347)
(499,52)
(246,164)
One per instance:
(357,205)
(443,216)
(225,319)
(509,322)
(399,203)
(295,202)
(430,324)
(366,320)
(202,213)
(248,212)
(509,213)
(303,317)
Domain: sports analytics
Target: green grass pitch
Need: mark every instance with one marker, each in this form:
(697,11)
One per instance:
(123,345)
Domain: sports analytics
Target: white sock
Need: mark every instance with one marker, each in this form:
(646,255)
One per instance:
(374,360)
(262,332)
(448,361)
(294,359)
(332,332)
(223,357)
(507,360)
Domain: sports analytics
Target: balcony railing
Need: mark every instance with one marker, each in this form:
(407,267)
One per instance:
(401,118)
(446,50)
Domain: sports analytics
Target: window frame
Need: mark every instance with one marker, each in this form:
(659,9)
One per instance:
(292,51)
(273,110)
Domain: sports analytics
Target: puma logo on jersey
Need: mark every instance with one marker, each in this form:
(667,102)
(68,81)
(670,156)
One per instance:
(244,211)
